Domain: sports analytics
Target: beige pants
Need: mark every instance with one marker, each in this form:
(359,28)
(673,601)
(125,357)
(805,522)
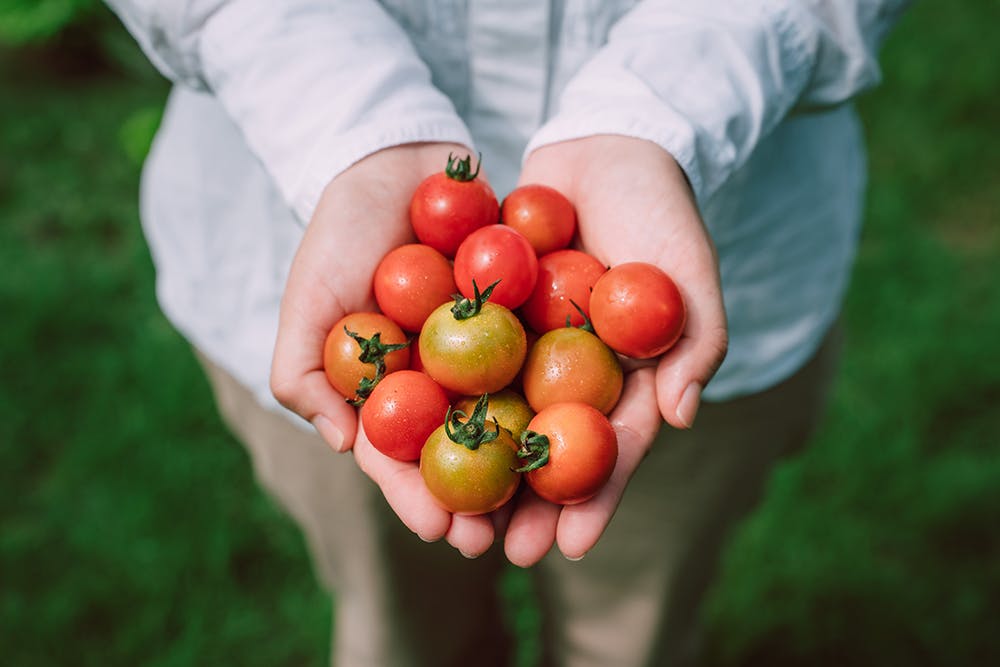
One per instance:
(633,600)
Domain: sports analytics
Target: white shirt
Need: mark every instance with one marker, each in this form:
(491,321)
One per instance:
(273,99)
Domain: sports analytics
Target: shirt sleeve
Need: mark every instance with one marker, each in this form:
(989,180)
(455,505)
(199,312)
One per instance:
(313,85)
(706,80)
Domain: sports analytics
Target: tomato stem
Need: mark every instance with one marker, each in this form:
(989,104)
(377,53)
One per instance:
(534,448)
(461,170)
(465,308)
(587,324)
(373,351)
(472,432)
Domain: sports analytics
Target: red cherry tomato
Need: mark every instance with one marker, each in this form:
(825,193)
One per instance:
(448,206)
(565,277)
(581,448)
(410,282)
(572,365)
(480,351)
(352,362)
(542,214)
(497,253)
(637,310)
(401,412)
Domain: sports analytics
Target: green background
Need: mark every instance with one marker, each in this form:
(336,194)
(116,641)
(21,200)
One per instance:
(131,531)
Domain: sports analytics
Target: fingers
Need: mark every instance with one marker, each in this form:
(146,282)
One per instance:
(404,490)
(298,380)
(532,529)
(310,306)
(686,368)
(537,524)
(407,495)
(299,383)
(471,535)
(683,372)
(636,420)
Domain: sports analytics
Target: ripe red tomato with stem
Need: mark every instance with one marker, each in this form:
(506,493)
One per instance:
(448,206)
(637,310)
(497,254)
(572,365)
(473,346)
(360,350)
(570,451)
(401,412)
(565,277)
(542,214)
(469,466)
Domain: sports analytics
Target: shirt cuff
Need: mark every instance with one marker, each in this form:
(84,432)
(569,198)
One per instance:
(662,126)
(335,152)
(703,84)
(316,86)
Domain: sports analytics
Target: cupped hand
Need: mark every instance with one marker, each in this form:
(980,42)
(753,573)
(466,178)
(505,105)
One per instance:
(362,214)
(633,204)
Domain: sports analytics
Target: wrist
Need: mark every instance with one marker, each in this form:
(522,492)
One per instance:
(601,161)
(403,166)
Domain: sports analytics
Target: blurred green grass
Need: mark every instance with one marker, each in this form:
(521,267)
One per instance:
(131,531)
(880,545)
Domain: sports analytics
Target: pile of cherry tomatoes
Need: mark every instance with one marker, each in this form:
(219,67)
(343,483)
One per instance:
(496,352)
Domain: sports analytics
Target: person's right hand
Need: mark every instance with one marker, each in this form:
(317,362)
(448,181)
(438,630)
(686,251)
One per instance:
(362,214)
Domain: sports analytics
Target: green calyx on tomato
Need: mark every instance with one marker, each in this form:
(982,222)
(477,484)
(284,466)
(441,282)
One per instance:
(466,308)
(472,432)
(535,449)
(373,351)
(461,170)
(587,325)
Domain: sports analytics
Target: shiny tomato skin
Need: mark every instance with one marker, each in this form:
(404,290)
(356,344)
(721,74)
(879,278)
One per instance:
(509,408)
(340,352)
(492,253)
(572,365)
(542,214)
(517,384)
(565,277)
(401,412)
(443,211)
(637,309)
(476,356)
(465,481)
(583,450)
(410,282)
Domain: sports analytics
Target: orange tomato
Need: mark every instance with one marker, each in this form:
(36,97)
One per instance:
(572,365)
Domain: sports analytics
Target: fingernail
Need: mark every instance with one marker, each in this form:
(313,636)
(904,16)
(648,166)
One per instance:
(469,556)
(578,558)
(687,407)
(329,432)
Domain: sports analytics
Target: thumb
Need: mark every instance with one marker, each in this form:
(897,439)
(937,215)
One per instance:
(683,372)
(298,378)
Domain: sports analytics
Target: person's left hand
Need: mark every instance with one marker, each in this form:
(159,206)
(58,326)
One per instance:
(633,203)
